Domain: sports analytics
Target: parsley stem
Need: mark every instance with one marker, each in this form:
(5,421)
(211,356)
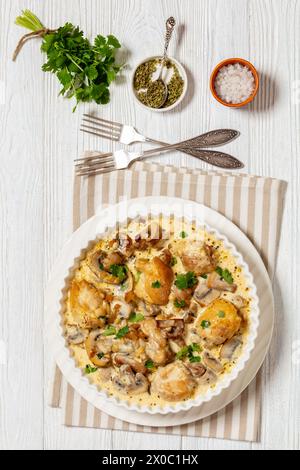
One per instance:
(75,63)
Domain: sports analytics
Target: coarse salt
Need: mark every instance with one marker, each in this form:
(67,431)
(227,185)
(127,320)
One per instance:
(234,83)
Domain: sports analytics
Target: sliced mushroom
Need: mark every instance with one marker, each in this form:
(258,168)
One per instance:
(97,262)
(171,329)
(214,281)
(238,301)
(208,378)
(75,335)
(157,347)
(125,381)
(98,348)
(228,349)
(120,308)
(197,369)
(121,359)
(212,362)
(204,295)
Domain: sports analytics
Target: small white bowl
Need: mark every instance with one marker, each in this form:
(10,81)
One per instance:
(183,75)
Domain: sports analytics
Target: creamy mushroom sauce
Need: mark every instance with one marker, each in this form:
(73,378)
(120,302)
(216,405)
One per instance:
(144,334)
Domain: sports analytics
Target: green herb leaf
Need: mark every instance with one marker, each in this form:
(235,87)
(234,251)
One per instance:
(182,353)
(85,70)
(188,351)
(195,359)
(204,276)
(183,234)
(89,369)
(173,261)
(119,271)
(100,355)
(196,347)
(122,332)
(205,324)
(149,364)
(156,285)
(185,281)
(225,274)
(110,330)
(179,303)
(136,317)
(100,265)
(137,276)
(221,314)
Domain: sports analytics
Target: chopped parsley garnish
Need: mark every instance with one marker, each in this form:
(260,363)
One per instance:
(135,317)
(221,314)
(185,281)
(204,276)
(183,234)
(173,261)
(100,355)
(110,330)
(156,285)
(119,271)
(149,364)
(100,265)
(182,353)
(195,359)
(225,274)
(188,351)
(89,369)
(179,303)
(205,324)
(196,347)
(122,332)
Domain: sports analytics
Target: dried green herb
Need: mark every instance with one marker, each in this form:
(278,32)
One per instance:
(156,94)
(143,78)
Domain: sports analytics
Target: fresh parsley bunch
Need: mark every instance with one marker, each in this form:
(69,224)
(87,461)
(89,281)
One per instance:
(84,70)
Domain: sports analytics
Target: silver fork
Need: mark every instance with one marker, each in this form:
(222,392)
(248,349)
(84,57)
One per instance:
(127,135)
(121,159)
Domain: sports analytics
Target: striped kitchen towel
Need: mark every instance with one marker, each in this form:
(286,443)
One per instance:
(253,203)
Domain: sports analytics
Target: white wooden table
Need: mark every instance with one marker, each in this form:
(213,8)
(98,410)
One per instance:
(39,139)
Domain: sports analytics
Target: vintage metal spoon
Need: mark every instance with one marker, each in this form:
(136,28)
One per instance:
(159,84)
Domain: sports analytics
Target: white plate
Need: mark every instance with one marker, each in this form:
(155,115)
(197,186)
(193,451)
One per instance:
(53,296)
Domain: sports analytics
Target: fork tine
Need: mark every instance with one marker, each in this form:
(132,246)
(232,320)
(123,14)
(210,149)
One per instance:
(98,161)
(95,172)
(113,123)
(106,136)
(94,157)
(95,165)
(102,126)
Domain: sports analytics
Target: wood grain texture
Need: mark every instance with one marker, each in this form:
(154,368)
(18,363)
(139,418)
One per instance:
(39,139)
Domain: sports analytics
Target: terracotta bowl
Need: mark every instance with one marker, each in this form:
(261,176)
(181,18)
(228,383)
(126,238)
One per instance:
(229,62)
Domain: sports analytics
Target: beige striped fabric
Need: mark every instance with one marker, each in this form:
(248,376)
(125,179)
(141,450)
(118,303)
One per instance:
(253,203)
